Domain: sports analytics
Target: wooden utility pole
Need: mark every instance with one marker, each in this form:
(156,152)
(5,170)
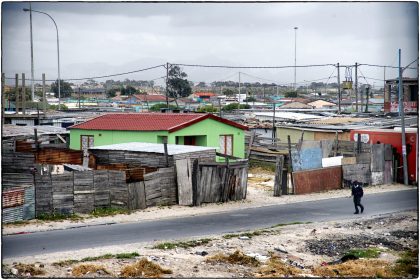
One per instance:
(356,89)
(2,98)
(274,124)
(167,76)
(44,100)
(278,179)
(367,100)
(339,88)
(239,94)
(401,107)
(23,94)
(17,94)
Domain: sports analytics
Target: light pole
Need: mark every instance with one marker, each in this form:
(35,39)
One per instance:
(294,85)
(58,51)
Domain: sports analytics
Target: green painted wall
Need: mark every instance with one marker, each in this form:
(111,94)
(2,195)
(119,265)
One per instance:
(107,137)
(207,134)
(295,134)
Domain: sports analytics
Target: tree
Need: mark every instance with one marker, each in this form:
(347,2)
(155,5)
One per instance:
(65,88)
(207,109)
(157,107)
(228,92)
(250,99)
(129,90)
(178,85)
(291,94)
(234,106)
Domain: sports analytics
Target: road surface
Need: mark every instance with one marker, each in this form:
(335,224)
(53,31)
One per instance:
(220,223)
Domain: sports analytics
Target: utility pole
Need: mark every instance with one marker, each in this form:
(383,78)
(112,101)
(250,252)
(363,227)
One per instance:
(367,100)
(17,94)
(401,109)
(239,95)
(44,100)
(339,88)
(274,123)
(294,85)
(3,105)
(32,53)
(167,93)
(23,94)
(385,84)
(356,90)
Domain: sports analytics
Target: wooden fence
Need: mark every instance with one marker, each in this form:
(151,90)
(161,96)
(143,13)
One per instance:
(219,182)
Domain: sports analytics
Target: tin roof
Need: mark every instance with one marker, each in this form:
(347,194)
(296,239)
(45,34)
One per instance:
(153,148)
(149,122)
(10,130)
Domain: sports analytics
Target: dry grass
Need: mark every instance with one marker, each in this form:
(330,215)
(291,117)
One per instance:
(144,269)
(84,269)
(362,268)
(236,258)
(258,179)
(24,269)
(276,268)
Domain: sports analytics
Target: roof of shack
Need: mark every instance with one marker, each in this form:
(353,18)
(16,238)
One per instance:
(153,148)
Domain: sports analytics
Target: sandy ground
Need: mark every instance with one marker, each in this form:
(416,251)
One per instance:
(190,262)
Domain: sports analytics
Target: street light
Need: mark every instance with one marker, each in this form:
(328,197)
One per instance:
(58,51)
(295,57)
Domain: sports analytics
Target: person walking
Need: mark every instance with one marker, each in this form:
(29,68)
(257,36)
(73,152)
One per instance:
(357,193)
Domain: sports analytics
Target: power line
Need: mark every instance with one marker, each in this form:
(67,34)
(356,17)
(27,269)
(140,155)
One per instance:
(105,76)
(386,66)
(250,67)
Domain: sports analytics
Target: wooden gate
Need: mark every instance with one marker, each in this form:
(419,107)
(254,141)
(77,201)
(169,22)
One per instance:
(219,182)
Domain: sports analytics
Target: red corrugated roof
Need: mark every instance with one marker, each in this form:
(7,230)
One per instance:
(150,98)
(205,94)
(149,122)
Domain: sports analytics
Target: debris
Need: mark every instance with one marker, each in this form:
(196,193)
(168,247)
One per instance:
(14,271)
(281,249)
(244,238)
(201,253)
(258,257)
(313,232)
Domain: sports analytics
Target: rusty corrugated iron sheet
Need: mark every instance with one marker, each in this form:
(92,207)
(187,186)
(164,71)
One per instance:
(317,180)
(13,197)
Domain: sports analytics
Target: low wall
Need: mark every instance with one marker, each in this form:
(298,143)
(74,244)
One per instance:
(317,180)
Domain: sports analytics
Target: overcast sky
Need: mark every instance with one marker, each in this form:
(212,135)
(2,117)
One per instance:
(106,38)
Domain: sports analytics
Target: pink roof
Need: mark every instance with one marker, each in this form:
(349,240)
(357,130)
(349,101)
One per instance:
(149,122)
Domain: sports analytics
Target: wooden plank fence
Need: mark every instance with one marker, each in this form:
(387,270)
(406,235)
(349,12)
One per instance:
(219,182)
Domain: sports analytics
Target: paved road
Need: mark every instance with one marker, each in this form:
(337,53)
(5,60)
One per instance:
(221,223)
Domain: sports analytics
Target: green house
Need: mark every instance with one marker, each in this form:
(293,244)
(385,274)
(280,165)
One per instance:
(185,129)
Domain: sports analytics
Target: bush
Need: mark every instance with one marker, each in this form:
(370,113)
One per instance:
(158,107)
(234,106)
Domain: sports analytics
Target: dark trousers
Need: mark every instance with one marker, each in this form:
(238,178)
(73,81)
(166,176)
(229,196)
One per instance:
(357,204)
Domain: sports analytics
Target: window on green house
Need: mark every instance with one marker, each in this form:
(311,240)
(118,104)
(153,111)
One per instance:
(226,144)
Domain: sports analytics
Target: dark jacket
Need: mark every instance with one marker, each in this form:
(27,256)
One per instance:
(357,190)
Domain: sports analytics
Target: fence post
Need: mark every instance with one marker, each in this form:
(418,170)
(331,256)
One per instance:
(336,144)
(194,178)
(279,175)
(290,162)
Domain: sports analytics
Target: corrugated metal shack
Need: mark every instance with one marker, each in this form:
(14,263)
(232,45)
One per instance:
(19,146)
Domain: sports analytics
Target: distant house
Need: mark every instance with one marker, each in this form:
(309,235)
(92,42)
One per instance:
(295,105)
(146,100)
(90,92)
(320,104)
(185,129)
(204,96)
